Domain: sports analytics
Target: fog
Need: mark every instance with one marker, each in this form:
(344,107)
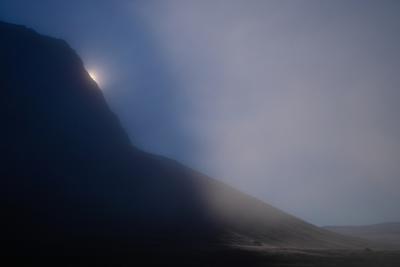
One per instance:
(294,102)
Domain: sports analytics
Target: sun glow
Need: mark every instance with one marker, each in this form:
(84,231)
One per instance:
(94,76)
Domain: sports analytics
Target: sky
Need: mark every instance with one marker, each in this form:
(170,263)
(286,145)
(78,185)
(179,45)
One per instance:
(293,102)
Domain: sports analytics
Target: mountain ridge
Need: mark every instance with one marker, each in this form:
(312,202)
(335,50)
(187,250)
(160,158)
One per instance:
(70,176)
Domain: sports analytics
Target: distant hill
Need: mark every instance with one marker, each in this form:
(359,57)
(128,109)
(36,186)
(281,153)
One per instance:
(387,234)
(71,179)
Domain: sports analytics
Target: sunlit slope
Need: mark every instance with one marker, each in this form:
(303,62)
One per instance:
(249,221)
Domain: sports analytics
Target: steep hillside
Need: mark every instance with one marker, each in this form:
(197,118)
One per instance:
(71,178)
(68,168)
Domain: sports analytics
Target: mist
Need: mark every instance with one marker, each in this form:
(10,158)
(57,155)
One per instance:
(293,102)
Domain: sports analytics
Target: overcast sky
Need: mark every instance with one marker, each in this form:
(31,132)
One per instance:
(294,102)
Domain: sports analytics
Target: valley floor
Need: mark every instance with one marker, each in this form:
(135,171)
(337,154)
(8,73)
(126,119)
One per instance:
(342,258)
(247,257)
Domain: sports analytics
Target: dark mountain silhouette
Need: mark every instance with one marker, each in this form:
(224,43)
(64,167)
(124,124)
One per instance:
(72,181)
(68,167)
(386,234)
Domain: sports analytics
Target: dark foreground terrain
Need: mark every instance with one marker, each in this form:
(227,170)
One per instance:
(227,256)
(323,257)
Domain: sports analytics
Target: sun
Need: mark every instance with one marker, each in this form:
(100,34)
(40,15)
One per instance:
(94,76)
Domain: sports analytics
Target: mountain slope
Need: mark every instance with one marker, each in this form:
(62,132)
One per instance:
(71,178)
(68,167)
(255,223)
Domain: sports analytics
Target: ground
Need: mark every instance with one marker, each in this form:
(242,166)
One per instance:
(233,256)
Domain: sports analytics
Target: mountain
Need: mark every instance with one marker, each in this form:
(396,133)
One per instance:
(386,234)
(72,181)
(68,167)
